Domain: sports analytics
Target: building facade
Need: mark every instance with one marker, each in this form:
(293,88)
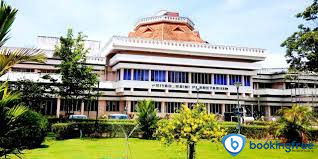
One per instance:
(164,59)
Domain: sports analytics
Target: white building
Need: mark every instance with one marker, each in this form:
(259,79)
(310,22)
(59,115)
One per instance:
(165,60)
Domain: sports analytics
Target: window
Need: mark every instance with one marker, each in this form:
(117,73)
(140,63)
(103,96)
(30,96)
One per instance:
(127,74)
(112,106)
(48,106)
(201,78)
(274,110)
(158,106)
(49,71)
(173,107)
(133,106)
(220,79)
(141,75)
(22,70)
(230,107)
(234,79)
(215,108)
(91,105)
(178,77)
(71,105)
(158,75)
(118,75)
(247,80)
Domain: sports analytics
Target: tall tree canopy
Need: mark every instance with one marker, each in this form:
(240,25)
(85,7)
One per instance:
(302,46)
(78,79)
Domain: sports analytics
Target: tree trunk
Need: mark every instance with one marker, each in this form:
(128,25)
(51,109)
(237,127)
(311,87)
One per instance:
(191,153)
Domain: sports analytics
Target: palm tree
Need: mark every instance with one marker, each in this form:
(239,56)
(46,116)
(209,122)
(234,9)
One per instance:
(294,123)
(7,17)
(147,117)
(10,109)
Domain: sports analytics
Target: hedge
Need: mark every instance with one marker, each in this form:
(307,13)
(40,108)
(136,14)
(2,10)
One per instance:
(114,128)
(90,129)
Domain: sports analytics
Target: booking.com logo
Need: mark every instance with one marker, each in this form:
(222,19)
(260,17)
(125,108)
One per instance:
(234,144)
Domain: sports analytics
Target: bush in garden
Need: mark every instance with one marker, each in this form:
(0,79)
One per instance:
(188,127)
(32,129)
(294,123)
(89,129)
(147,118)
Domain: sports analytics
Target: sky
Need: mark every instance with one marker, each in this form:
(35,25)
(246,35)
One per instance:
(248,23)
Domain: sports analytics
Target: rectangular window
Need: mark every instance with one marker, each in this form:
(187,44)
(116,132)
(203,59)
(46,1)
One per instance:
(220,79)
(158,106)
(71,105)
(141,75)
(201,78)
(274,110)
(158,75)
(133,106)
(247,80)
(178,77)
(112,106)
(90,105)
(127,74)
(173,107)
(230,107)
(235,78)
(215,108)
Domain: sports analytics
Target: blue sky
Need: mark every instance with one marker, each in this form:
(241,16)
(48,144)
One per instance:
(251,23)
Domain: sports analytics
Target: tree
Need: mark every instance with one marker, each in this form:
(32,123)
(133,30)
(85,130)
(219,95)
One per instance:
(294,123)
(33,93)
(147,118)
(7,17)
(77,78)
(302,50)
(188,127)
(10,109)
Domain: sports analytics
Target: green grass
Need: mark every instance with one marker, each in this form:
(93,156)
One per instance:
(115,148)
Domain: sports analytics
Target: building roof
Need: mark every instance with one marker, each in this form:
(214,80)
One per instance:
(166,25)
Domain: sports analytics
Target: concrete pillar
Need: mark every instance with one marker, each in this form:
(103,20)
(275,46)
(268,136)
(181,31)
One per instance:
(58,107)
(222,109)
(163,107)
(267,111)
(190,77)
(167,72)
(227,79)
(242,79)
(82,107)
(149,75)
(128,106)
(101,107)
(212,79)
(209,108)
(121,74)
(132,74)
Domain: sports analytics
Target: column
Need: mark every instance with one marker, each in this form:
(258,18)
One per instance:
(121,74)
(149,79)
(267,111)
(82,107)
(128,106)
(228,83)
(222,109)
(167,75)
(189,79)
(101,107)
(209,108)
(163,107)
(58,107)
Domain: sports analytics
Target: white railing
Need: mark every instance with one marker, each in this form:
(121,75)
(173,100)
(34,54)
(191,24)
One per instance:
(180,44)
(165,18)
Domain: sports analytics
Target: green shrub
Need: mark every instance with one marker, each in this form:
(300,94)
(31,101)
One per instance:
(32,129)
(90,129)
(249,131)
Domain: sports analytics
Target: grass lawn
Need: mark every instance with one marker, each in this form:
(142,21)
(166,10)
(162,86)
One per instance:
(115,148)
